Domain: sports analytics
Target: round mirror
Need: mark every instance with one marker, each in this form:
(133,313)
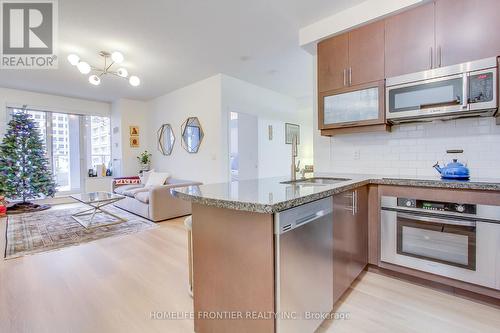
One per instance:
(166,139)
(192,135)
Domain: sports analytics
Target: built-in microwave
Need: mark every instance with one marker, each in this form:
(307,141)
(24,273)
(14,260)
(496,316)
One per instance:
(468,89)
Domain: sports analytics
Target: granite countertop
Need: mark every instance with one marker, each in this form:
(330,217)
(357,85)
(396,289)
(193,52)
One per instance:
(270,195)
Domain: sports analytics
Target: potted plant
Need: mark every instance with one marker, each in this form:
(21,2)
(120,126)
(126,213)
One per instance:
(144,160)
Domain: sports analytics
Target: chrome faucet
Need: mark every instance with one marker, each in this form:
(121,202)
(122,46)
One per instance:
(294,167)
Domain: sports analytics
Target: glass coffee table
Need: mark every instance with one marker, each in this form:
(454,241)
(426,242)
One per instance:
(97,200)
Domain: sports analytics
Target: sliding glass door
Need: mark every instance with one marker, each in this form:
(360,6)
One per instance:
(66,162)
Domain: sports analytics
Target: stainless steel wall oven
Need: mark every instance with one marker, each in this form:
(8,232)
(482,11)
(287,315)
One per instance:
(457,240)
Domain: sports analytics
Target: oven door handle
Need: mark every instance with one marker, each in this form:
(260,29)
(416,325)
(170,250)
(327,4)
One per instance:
(437,220)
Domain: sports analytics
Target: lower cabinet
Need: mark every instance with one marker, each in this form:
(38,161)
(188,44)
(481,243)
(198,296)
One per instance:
(350,238)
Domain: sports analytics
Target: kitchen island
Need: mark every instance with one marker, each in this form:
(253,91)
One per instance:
(234,241)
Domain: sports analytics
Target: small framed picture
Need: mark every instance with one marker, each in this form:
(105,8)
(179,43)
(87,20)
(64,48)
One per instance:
(292,130)
(134,130)
(134,142)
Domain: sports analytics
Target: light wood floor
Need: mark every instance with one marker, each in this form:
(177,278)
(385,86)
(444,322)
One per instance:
(113,285)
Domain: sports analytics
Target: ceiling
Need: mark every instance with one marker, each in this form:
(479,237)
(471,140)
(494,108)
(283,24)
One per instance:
(172,43)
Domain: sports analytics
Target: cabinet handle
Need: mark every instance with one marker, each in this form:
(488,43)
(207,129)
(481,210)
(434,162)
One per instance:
(439,56)
(431,65)
(345,77)
(354,202)
(350,76)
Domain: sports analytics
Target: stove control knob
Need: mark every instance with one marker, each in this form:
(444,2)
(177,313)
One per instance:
(460,208)
(408,203)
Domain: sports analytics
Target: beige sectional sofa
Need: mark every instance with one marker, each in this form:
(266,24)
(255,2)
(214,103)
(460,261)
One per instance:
(154,203)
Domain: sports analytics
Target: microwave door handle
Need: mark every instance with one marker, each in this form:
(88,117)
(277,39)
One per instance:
(465,93)
(437,220)
(435,105)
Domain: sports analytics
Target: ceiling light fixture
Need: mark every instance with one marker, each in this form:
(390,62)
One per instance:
(134,81)
(73,59)
(83,67)
(95,79)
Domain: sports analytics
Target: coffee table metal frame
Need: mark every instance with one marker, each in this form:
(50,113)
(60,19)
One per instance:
(97,209)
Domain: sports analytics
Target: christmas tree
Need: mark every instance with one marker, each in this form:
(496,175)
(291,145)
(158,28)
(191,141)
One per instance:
(24,168)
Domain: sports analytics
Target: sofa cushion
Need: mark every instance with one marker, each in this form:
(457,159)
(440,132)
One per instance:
(124,188)
(145,176)
(157,179)
(142,196)
(132,192)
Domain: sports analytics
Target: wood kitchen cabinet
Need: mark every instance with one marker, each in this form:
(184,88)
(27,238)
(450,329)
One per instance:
(467,30)
(333,62)
(350,238)
(366,54)
(353,58)
(409,41)
(351,72)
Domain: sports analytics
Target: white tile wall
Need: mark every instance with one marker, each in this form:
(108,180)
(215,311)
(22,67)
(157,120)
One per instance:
(412,149)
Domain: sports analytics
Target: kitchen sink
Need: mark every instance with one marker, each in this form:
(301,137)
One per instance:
(316,181)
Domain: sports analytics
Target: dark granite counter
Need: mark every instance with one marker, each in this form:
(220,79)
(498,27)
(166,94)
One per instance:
(270,195)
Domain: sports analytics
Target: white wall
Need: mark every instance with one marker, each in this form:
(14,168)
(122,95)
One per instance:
(412,149)
(271,108)
(274,155)
(203,100)
(126,113)
(47,102)
(211,100)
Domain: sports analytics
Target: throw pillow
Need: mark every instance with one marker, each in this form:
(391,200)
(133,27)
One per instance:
(145,176)
(157,179)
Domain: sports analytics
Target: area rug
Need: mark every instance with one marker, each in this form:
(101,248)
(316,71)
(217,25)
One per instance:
(55,229)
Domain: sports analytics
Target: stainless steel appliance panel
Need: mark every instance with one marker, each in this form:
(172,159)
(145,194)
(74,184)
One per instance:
(304,266)
(456,240)
(468,89)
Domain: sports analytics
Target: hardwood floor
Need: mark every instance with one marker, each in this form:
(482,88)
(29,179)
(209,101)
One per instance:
(377,303)
(110,285)
(113,285)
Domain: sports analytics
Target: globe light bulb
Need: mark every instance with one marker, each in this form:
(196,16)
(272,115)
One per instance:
(73,59)
(122,72)
(95,80)
(83,67)
(134,81)
(117,57)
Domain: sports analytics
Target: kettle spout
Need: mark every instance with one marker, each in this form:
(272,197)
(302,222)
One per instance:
(438,168)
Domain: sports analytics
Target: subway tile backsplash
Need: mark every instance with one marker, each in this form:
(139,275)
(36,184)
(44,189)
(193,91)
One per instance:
(412,149)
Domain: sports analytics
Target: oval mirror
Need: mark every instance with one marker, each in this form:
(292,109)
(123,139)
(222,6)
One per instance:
(192,135)
(166,139)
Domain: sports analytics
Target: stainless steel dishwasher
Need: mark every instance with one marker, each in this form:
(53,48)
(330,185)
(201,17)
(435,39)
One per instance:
(304,266)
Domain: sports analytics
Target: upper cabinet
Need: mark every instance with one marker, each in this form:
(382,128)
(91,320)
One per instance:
(352,66)
(343,61)
(333,61)
(409,41)
(467,30)
(441,33)
(366,54)
(350,83)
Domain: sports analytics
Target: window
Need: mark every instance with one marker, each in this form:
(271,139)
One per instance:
(99,130)
(70,144)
